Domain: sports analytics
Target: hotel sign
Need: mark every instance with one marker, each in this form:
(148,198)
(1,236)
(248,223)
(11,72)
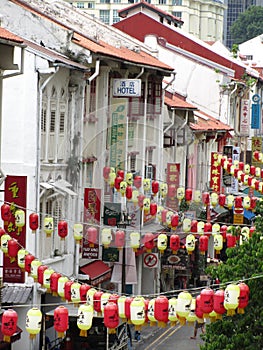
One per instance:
(126,87)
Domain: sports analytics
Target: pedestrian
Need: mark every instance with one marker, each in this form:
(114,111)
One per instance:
(198,325)
(137,335)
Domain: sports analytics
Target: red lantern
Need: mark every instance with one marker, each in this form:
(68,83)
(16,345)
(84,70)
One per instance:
(117,182)
(241,166)
(54,283)
(62,229)
(129,192)
(230,240)
(9,324)
(188,194)
(253,203)
(40,274)
(252,230)
(61,320)
(163,214)
(106,172)
(207,301)
(28,260)
(206,198)
(127,308)
(203,244)
(252,170)
(92,233)
(194,226)
(13,248)
(2,232)
(83,291)
(155,187)
(97,301)
(6,213)
(223,231)
(114,298)
(219,308)
(33,222)
(208,228)
(238,202)
(153,208)
(111,317)
(243,297)
(67,290)
(256,155)
(249,180)
(121,174)
(174,243)
(119,239)
(257,182)
(137,182)
(222,199)
(148,241)
(174,221)
(198,309)
(161,308)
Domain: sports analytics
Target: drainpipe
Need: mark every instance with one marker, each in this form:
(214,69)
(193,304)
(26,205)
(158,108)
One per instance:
(171,81)
(96,73)
(140,74)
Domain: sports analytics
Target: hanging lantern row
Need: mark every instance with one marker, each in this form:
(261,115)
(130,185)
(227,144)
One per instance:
(137,310)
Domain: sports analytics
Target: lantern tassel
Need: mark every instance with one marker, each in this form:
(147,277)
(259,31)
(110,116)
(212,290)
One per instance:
(240,311)
(7,338)
(32,336)
(61,334)
(83,333)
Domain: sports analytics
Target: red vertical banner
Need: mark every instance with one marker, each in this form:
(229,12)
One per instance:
(173,178)
(215,174)
(15,196)
(92,210)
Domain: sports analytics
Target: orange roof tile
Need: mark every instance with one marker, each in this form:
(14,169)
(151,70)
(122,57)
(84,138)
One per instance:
(6,35)
(178,102)
(205,122)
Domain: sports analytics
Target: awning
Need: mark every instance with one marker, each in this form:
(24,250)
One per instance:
(97,272)
(15,294)
(61,186)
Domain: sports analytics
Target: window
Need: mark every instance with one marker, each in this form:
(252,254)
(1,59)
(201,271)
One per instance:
(117,1)
(105,16)
(91,5)
(177,2)
(249,57)
(133,162)
(154,97)
(116,17)
(162,2)
(80,5)
(136,104)
(177,14)
(92,104)
(104,1)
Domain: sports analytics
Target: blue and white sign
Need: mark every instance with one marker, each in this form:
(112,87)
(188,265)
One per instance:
(127,87)
(255,116)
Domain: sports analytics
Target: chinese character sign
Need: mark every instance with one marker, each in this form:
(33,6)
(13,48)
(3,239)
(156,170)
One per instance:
(215,174)
(256,145)
(244,117)
(173,178)
(16,195)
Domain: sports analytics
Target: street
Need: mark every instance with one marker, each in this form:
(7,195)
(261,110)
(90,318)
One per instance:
(169,338)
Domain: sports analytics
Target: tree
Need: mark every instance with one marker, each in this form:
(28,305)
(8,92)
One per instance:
(248,25)
(245,262)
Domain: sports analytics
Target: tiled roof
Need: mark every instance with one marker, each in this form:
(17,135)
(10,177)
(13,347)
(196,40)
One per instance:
(6,35)
(15,294)
(178,102)
(206,122)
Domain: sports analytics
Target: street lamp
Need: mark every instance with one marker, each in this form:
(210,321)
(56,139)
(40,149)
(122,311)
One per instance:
(125,221)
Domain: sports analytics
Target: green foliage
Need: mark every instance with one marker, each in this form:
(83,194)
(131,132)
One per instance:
(248,25)
(245,262)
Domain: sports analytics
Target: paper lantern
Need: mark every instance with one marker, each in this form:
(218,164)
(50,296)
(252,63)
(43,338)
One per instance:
(243,297)
(112,177)
(97,301)
(200,227)
(128,192)
(61,286)
(161,308)
(150,312)
(164,212)
(155,187)
(174,221)
(214,199)
(146,185)
(90,296)
(85,318)
(137,312)
(172,316)
(153,208)
(123,186)
(9,324)
(54,277)
(169,215)
(83,291)
(188,194)
(111,317)
(61,320)
(121,307)
(119,239)
(135,195)
(46,278)
(75,293)
(92,235)
(163,190)
(194,226)
(207,301)
(127,308)
(187,225)
(230,240)
(146,205)
(180,193)
(231,298)
(246,202)
(34,269)
(148,241)
(230,201)
(222,200)
(117,182)
(113,298)
(198,309)
(244,234)
(121,173)
(218,243)
(247,168)
(129,178)
(12,248)
(106,172)
(137,181)
(33,222)
(4,243)
(184,300)
(197,196)
(67,290)
(219,303)
(33,322)
(190,243)
(19,220)
(174,243)
(40,273)
(62,229)
(159,213)
(48,226)
(162,242)
(191,317)
(104,300)
(203,244)
(135,240)
(28,260)
(78,233)
(253,203)
(223,231)
(208,228)
(6,213)
(206,198)
(106,237)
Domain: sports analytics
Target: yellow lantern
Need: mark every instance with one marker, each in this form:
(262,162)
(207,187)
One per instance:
(218,242)
(232,169)
(123,186)
(46,279)
(180,193)
(230,201)
(48,226)
(258,171)
(253,183)
(190,243)
(225,164)
(169,215)
(112,177)
(187,225)
(146,185)
(146,205)
(4,243)
(231,298)
(135,240)
(104,300)
(260,186)
(212,316)
(215,228)
(106,237)
(90,296)
(129,178)
(163,190)
(75,293)
(191,317)
(200,227)
(244,235)
(78,232)
(84,319)
(34,267)
(197,196)
(150,313)
(61,283)
(162,242)
(184,300)
(21,258)
(246,179)
(214,199)
(137,312)
(239,173)
(121,307)
(135,195)
(172,316)
(247,169)
(33,322)
(19,220)
(246,202)
(159,213)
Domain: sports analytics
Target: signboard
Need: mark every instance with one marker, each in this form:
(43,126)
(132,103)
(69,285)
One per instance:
(16,196)
(173,178)
(150,260)
(255,116)
(235,157)
(215,174)
(244,117)
(256,145)
(238,219)
(112,214)
(92,204)
(127,87)
(110,254)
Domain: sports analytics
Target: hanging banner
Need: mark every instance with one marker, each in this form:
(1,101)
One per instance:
(215,174)
(173,178)
(256,145)
(92,205)
(244,117)
(16,197)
